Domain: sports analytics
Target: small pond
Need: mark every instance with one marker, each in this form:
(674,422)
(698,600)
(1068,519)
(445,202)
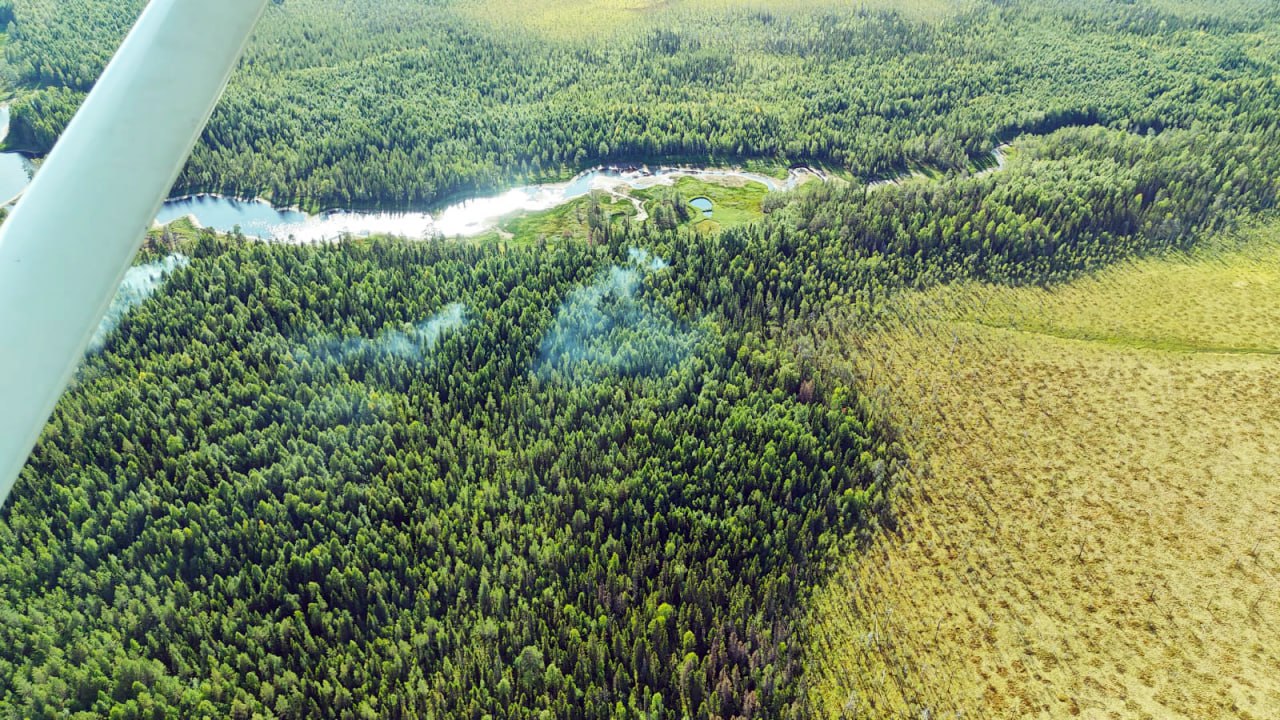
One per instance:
(463,218)
(703,204)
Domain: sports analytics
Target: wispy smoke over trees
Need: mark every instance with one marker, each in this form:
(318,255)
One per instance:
(610,328)
(410,343)
(139,283)
(643,259)
(215,469)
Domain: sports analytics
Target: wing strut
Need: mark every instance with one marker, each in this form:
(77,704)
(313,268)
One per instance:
(70,240)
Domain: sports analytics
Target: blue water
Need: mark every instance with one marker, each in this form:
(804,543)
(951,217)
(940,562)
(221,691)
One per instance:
(578,187)
(15,169)
(254,218)
(15,174)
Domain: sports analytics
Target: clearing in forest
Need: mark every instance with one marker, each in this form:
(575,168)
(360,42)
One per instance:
(1094,529)
(579,19)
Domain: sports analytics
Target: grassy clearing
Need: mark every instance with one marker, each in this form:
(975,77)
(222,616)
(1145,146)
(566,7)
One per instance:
(768,168)
(585,19)
(1229,9)
(568,221)
(735,201)
(1217,301)
(1095,526)
(181,234)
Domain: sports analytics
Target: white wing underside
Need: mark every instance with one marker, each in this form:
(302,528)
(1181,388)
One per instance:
(119,157)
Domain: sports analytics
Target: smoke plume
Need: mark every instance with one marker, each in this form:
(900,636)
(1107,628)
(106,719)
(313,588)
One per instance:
(410,343)
(609,328)
(140,283)
(644,260)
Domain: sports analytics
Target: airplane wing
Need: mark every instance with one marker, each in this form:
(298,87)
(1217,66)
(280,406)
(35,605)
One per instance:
(67,245)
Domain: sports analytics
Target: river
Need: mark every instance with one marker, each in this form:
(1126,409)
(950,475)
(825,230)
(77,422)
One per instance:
(15,168)
(259,219)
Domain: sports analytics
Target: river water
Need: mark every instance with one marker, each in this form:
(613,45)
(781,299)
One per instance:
(468,218)
(259,219)
(15,169)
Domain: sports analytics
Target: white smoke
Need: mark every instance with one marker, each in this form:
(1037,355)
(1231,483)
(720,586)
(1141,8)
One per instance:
(424,335)
(644,260)
(608,328)
(140,283)
(410,343)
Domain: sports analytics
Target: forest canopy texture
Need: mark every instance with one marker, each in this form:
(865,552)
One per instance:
(403,102)
(596,478)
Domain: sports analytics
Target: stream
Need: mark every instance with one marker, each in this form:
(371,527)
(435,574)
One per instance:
(15,168)
(468,218)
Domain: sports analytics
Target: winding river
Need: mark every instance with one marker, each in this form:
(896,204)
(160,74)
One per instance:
(259,219)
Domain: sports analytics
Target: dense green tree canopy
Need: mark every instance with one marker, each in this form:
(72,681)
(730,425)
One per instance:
(275,492)
(591,479)
(403,102)
(442,532)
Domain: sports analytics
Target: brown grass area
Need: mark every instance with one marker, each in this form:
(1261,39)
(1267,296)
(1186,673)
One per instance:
(1097,531)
